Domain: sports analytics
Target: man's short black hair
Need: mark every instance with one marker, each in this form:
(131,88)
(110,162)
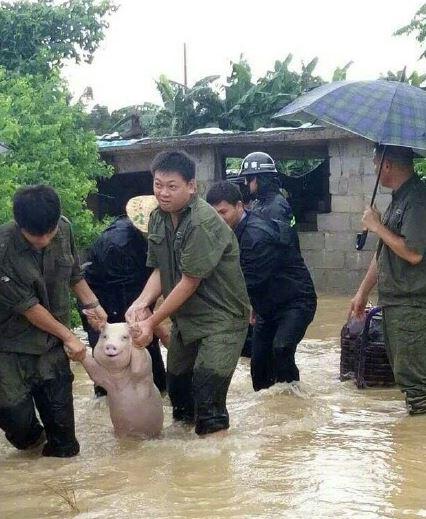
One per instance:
(174,161)
(36,209)
(223,191)
(399,155)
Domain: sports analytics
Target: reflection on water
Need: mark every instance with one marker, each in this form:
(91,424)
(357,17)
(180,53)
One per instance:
(322,450)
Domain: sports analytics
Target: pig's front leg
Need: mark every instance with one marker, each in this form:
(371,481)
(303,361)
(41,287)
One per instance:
(140,363)
(96,372)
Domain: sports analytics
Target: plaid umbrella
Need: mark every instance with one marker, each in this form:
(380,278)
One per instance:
(387,112)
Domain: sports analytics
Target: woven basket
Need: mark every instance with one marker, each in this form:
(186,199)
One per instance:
(363,357)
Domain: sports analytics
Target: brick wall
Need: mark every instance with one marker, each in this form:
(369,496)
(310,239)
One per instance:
(330,252)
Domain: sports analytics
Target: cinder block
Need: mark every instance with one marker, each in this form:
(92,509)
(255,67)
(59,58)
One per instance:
(338,185)
(312,240)
(358,260)
(337,168)
(347,204)
(338,281)
(334,222)
(324,259)
(355,186)
(368,183)
(342,241)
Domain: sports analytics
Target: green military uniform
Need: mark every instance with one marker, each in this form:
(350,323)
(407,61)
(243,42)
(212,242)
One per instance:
(209,329)
(402,293)
(33,364)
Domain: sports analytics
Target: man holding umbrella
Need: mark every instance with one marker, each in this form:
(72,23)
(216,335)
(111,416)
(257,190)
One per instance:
(399,269)
(393,114)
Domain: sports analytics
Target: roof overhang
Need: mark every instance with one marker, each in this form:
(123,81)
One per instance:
(283,143)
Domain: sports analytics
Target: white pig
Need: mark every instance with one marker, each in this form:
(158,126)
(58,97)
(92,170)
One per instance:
(135,404)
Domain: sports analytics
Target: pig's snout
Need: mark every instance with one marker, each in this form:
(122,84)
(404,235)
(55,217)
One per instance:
(111,350)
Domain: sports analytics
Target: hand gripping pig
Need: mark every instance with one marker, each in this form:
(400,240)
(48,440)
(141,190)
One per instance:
(125,372)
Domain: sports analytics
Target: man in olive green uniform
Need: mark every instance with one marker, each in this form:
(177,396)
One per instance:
(38,265)
(195,259)
(399,268)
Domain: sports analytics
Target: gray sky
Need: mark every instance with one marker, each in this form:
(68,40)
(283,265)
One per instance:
(145,39)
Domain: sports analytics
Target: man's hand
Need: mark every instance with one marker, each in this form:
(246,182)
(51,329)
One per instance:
(74,348)
(358,304)
(97,317)
(137,312)
(142,333)
(252,319)
(371,219)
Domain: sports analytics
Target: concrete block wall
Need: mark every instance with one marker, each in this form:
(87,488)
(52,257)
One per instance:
(336,266)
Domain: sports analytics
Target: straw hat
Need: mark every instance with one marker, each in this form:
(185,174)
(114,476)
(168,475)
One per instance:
(139,208)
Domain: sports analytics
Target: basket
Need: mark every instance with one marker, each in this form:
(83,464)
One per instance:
(363,356)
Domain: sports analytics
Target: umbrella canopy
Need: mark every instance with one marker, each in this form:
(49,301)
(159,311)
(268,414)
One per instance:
(387,112)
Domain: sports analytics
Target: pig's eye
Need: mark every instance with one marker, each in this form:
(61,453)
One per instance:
(104,336)
(125,337)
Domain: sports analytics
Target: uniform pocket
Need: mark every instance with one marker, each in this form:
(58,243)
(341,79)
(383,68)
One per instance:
(156,238)
(63,267)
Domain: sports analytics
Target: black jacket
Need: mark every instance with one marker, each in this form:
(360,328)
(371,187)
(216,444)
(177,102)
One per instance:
(273,206)
(275,274)
(117,272)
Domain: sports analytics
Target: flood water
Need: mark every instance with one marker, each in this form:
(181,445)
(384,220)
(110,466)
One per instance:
(326,451)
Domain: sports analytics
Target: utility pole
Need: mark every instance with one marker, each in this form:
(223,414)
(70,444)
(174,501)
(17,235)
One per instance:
(185,73)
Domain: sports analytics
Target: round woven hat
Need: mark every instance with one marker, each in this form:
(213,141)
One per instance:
(139,209)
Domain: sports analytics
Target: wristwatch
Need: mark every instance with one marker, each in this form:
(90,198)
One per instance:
(89,306)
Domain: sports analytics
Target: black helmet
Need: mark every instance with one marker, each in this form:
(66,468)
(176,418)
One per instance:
(256,163)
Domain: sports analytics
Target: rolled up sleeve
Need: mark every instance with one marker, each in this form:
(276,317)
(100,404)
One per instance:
(202,251)
(413,227)
(76,270)
(15,295)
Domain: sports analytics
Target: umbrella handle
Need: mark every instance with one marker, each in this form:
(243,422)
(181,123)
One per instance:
(361,238)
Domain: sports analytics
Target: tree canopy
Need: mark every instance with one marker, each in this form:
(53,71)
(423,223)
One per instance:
(48,145)
(239,104)
(417,26)
(36,37)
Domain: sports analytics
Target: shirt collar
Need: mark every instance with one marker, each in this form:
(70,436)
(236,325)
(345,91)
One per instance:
(241,224)
(22,244)
(405,187)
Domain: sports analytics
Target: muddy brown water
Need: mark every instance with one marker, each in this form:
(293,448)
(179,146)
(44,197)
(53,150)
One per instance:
(326,451)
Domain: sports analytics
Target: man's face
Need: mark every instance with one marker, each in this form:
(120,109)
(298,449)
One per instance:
(386,169)
(39,242)
(172,191)
(230,213)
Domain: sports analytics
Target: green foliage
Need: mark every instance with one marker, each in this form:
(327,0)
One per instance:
(240,104)
(296,168)
(36,37)
(417,26)
(415,78)
(49,145)
(339,73)
(420,167)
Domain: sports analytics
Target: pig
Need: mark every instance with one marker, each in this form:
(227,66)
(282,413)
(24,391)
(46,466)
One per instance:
(135,404)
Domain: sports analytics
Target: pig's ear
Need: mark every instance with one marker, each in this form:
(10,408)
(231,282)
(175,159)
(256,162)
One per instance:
(102,327)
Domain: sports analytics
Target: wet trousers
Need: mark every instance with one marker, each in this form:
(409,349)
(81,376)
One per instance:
(42,382)
(274,346)
(198,377)
(405,339)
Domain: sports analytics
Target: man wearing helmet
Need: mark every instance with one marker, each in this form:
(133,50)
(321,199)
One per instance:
(261,176)
(278,283)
